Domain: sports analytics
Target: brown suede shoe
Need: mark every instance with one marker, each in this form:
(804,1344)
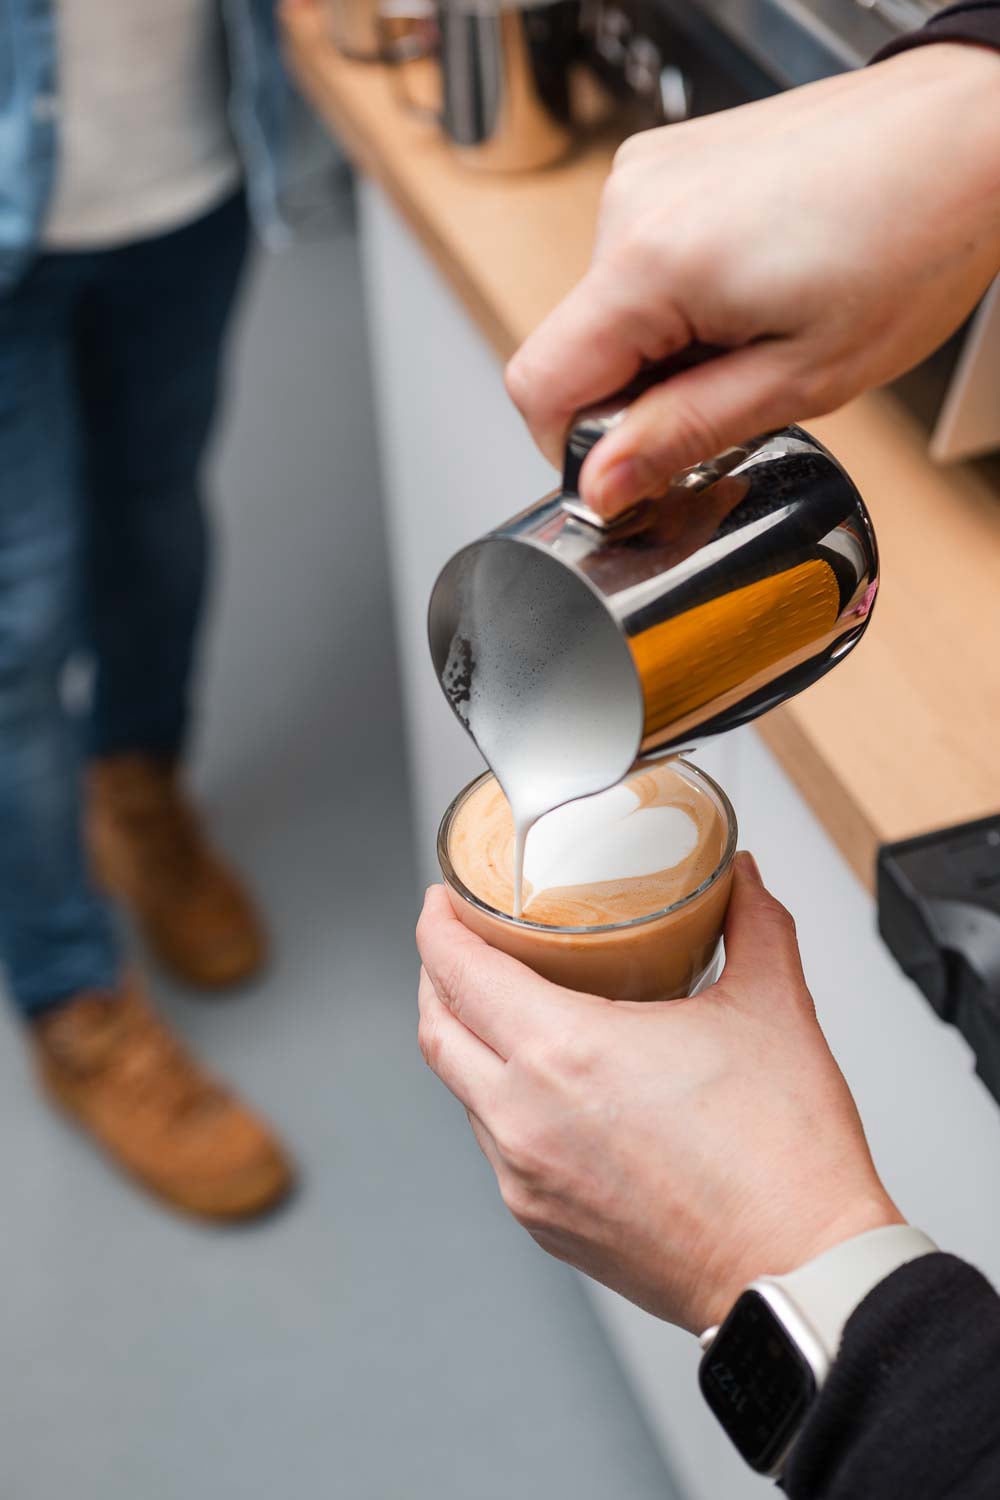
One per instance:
(112,1065)
(149,849)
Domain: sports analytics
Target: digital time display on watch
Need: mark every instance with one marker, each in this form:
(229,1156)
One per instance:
(757,1382)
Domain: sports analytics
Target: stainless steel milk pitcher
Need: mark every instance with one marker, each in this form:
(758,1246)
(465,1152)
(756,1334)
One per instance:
(751,577)
(504,75)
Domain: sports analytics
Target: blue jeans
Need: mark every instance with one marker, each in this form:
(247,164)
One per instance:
(109,371)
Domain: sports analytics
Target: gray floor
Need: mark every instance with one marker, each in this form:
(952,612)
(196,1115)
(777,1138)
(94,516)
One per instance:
(392,1334)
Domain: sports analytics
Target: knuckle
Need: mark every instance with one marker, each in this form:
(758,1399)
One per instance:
(429,1042)
(616,205)
(662,248)
(519,379)
(778,921)
(816,387)
(804,999)
(643,254)
(783,919)
(526,1152)
(450,982)
(806,388)
(573,1059)
(644,147)
(626,154)
(524,1204)
(696,436)
(424,928)
(571,1054)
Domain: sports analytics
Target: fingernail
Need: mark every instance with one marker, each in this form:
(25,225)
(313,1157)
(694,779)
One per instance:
(617,486)
(751,866)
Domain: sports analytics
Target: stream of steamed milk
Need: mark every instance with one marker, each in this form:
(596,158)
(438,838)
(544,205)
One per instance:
(541,677)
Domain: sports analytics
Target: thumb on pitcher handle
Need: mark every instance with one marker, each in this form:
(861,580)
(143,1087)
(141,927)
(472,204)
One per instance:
(593,422)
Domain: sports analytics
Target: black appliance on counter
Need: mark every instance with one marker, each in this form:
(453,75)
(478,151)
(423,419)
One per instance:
(939,915)
(667,60)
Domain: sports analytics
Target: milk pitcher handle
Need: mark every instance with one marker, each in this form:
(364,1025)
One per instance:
(409,33)
(593,422)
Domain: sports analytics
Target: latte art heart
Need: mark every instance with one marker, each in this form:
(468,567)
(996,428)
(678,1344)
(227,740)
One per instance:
(626,853)
(610,837)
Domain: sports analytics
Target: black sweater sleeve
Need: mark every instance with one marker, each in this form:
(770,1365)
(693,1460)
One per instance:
(911,1409)
(973,21)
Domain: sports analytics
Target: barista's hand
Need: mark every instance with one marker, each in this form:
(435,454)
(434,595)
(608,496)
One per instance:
(672,1151)
(831,237)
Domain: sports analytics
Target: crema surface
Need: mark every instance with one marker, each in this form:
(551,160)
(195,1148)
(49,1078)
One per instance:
(628,852)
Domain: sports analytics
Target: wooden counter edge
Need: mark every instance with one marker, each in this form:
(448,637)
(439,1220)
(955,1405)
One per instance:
(828,797)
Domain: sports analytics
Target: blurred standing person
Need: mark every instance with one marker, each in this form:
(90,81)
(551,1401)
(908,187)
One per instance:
(133,135)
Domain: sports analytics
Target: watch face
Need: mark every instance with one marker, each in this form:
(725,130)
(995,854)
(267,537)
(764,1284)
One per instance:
(757,1382)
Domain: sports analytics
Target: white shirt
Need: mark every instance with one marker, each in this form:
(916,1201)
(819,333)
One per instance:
(144,142)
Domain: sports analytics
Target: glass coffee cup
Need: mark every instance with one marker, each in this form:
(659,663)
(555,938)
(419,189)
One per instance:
(661,955)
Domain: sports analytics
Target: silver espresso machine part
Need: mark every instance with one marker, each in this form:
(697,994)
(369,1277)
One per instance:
(747,581)
(504,77)
(798,41)
(727,52)
(658,90)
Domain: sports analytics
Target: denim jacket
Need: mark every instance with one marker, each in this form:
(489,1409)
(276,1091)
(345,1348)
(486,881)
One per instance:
(260,107)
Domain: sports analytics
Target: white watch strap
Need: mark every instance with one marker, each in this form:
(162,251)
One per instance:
(826,1291)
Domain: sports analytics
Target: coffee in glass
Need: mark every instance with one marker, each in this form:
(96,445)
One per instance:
(625,892)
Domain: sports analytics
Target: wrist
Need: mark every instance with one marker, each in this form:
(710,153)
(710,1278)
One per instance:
(953,87)
(868,1211)
(947,64)
(772,1254)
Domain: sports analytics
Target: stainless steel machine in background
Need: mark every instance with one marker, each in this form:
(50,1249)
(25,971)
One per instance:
(672,59)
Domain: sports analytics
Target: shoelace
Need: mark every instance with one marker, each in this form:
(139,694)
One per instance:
(157,1069)
(151,1067)
(159,818)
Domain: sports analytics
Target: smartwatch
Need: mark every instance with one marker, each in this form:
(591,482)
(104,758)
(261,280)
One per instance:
(764,1366)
